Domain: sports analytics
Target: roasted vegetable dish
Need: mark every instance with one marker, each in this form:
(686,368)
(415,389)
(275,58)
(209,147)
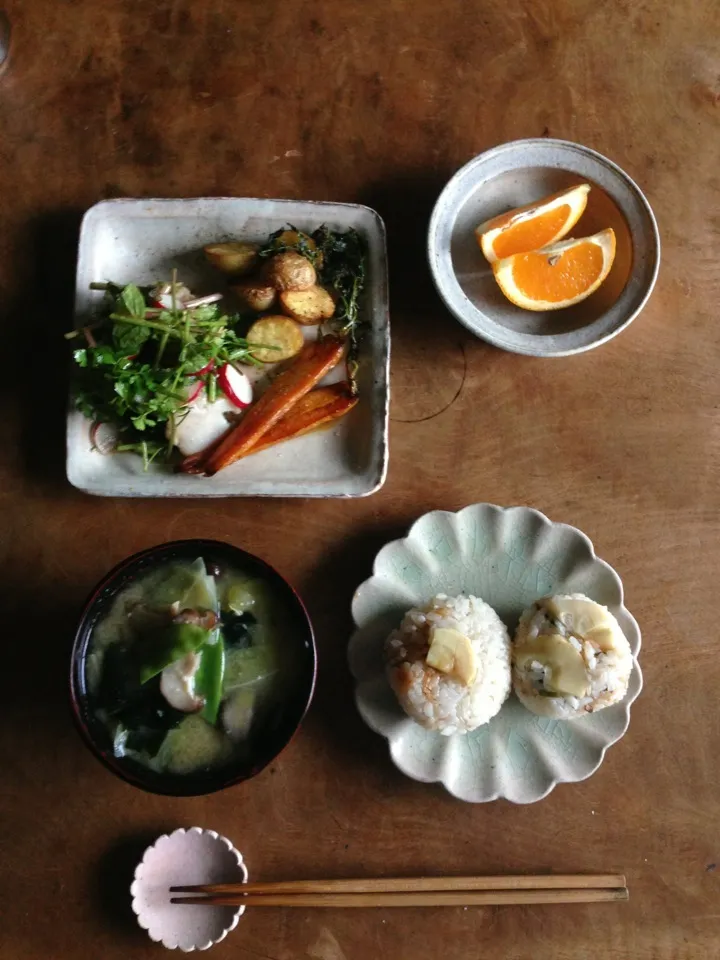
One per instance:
(181,379)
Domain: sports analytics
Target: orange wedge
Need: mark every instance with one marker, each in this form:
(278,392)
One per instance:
(536,225)
(558,275)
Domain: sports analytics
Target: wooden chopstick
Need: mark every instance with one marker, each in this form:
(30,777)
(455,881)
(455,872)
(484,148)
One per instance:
(412,884)
(411,892)
(436,898)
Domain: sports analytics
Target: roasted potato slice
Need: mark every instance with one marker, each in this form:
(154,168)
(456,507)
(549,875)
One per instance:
(281,339)
(254,294)
(308,306)
(291,238)
(234,258)
(302,242)
(289,271)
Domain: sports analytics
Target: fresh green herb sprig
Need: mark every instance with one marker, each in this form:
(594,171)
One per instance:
(343,259)
(132,371)
(343,266)
(289,239)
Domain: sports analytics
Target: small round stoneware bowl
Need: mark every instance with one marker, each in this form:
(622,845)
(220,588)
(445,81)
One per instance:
(509,557)
(285,722)
(184,858)
(519,173)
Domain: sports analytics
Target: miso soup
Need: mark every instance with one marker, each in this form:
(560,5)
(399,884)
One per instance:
(190,666)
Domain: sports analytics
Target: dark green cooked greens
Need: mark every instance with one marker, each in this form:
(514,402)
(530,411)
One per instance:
(187,667)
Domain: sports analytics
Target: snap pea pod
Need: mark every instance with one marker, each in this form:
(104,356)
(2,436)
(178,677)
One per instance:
(209,677)
(170,644)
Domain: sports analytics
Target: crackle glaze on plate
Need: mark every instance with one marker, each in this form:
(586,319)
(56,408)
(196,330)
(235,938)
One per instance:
(509,557)
(141,241)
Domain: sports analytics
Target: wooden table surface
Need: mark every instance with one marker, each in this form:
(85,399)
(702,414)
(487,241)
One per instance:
(377,102)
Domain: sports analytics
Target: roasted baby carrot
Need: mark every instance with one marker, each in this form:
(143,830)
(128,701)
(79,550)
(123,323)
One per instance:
(310,366)
(320,406)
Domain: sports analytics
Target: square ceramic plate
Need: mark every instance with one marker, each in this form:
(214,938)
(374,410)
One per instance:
(141,241)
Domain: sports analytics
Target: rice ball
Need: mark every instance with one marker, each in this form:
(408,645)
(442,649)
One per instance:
(449,663)
(570,657)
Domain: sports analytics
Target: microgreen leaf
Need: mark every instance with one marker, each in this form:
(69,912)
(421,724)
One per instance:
(133,301)
(132,373)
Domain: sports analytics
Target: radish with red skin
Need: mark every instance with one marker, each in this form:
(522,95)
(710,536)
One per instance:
(236,386)
(162,296)
(194,391)
(165,302)
(103,437)
(206,369)
(201,423)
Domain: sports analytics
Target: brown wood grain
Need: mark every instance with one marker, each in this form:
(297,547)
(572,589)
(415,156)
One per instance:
(374,102)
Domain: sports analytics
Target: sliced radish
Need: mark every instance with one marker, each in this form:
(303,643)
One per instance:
(193,391)
(162,296)
(200,424)
(206,369)
(160,289)
(165,301)
(203,301)
(236,386)
(103,437)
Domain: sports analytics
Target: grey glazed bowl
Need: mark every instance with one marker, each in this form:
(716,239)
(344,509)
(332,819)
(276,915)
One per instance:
(512,175)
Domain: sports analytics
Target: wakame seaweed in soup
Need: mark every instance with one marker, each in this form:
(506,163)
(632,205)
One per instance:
(188,666)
